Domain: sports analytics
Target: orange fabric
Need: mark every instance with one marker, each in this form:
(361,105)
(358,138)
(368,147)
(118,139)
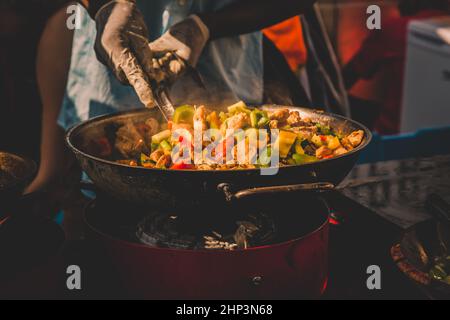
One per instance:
(288,37)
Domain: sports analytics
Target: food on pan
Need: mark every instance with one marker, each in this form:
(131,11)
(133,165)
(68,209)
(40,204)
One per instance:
(298,140)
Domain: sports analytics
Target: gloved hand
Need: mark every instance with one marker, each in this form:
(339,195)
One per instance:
(122,45)
(185,40)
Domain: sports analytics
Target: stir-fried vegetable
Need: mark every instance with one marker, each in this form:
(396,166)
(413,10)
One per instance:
(184,114)
(160,137)
(285,140)
(298,140)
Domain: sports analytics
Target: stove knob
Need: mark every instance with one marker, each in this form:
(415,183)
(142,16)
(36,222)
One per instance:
(257,281)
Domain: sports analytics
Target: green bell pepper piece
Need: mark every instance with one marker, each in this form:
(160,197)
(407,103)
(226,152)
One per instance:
(303,158)
(184,114)
(166,146)
(163,135)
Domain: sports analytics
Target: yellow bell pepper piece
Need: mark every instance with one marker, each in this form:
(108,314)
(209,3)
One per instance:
(298,147)
(285,141)
(334,143)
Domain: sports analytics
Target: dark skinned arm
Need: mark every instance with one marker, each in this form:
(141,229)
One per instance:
(350,76)
(247,16)
(241,17)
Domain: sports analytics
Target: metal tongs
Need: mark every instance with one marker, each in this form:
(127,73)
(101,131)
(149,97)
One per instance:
(162,100)
(161,89)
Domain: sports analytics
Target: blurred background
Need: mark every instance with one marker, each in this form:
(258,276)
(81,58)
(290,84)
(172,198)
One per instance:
(346,24)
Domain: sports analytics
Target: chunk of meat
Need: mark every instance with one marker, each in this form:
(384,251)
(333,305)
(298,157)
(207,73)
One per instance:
(164,162)
(355,138)
(280,115)
(323,152)
(129,142)
(346,144)
(340,151)
(307,132)
(156,155)
(239,121)
(310,150)
(200,115)
(273,124)
(294,119)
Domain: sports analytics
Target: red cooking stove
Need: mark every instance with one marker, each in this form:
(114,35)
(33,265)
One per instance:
(118,261)
(255,250)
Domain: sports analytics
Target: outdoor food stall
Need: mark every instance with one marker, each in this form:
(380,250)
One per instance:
(183,158)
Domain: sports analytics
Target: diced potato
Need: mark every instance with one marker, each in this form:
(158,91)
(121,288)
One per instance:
(333,143)
(286,139)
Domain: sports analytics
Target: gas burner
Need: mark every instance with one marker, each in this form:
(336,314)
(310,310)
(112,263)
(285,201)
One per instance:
(178,232)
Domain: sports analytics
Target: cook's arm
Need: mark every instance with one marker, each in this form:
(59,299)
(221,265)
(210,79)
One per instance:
(52,68)
(122,43)
(251,15)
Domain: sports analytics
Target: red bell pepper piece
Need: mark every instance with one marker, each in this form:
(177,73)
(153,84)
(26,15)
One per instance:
(182,166)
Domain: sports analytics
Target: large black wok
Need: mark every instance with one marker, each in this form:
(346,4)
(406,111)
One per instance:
(179,189)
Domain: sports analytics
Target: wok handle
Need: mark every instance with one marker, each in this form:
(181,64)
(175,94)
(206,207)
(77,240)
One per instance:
(230,196)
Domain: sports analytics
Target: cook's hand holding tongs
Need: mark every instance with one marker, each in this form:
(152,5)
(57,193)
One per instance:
(166,69)
(161,89)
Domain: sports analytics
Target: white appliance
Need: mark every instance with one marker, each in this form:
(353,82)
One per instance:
(426,101)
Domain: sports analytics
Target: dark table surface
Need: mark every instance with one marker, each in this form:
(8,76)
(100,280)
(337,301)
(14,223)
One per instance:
(381,201)
(397,190)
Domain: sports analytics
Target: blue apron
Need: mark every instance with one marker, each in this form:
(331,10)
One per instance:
(231,68)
